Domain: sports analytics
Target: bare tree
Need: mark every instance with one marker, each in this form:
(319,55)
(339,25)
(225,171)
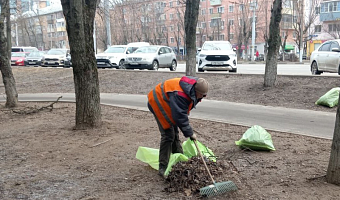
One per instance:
(5,55)
(79,17)
(304,19)
(333,171)
(274,44)
(190,22)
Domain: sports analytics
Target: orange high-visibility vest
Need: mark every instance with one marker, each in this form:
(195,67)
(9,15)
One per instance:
(159,101)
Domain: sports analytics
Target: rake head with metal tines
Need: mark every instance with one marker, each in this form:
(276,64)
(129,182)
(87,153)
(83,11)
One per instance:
(218,188)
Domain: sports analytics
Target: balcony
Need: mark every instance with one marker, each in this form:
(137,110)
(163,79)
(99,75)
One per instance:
(330,16)
(287,25)
(215,2)
(215,15)
(61,29)
(51,21)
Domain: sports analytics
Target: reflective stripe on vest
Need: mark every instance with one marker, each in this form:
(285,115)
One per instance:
(159,101)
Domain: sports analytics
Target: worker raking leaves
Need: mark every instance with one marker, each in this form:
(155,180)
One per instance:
(171,103)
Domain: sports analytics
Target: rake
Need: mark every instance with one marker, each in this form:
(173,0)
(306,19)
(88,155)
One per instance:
(216,188)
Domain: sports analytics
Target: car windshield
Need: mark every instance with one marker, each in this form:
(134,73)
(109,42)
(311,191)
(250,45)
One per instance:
(29,50)
(217,46)
(35,54)
(56,52)
(146,50)
(19,54)
(115,50)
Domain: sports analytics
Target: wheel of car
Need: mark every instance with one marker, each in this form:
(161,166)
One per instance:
(314,69)
(121,64)
(173,65)
(200,70)
(155,65)
(234,70)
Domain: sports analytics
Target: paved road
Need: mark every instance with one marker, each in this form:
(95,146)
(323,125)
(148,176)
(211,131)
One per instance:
(282,69)
(305,122)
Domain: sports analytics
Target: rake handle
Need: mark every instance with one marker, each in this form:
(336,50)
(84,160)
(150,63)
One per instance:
(205,164)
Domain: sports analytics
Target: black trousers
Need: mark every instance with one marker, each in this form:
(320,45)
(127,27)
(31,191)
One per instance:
(170,143)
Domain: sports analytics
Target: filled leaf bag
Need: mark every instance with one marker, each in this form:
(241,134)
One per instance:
(256,138)
(330,99)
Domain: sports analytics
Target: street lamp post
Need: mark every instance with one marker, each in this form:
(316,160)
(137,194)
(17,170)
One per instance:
(253,33)
(301,32)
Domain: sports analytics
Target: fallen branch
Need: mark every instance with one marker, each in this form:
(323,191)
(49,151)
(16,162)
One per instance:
(101,143)
(36,110)
(316,177)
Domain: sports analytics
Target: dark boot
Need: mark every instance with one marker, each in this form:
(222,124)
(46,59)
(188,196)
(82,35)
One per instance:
(161,170)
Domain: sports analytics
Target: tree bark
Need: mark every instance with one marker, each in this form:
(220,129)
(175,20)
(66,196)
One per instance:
(5,62)
(190,23)
(274,44)
(333,171)
(79,15)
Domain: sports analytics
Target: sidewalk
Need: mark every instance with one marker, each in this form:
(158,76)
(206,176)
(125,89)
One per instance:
(298,121)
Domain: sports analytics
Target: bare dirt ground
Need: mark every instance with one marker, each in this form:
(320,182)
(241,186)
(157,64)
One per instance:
(42,157)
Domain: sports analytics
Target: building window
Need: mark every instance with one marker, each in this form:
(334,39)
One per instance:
(203,11)
(221,37)
(317,10)
(294,34)
(170,4)
(231,36)
(178,2)
(204,38)
(172,40)
(179,15)
(220,9)
(179,40)
(241,7)
(231,22)
(231,8)
(317,28)
(203,24)
(171,28)
(171,16)
(333,27)
(211,10)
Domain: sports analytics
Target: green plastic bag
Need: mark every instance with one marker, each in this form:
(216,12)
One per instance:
(189,149)
(330,99)
(256,138)
(150,155)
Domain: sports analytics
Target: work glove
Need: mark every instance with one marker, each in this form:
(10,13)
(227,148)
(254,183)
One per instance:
(193,137)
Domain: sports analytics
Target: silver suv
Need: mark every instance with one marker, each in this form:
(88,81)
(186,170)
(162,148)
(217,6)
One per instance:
(152,58)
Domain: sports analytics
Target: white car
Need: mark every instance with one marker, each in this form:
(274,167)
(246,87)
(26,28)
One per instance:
(217,55)
(114,56)
(326,58)
(151,58)
(56,58)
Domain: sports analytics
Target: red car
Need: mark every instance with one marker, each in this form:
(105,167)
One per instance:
(18,58)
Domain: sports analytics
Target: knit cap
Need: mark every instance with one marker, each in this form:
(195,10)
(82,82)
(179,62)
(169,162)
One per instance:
(202,86)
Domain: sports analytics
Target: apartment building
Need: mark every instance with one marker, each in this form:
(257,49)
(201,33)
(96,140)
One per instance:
(44,27)
(162,22)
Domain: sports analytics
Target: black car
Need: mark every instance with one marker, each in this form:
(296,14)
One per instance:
(34,58)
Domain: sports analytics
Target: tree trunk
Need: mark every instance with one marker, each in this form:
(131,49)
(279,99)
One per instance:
(190,23)
(333,171)
(79,15)
(5,63)
(274,44)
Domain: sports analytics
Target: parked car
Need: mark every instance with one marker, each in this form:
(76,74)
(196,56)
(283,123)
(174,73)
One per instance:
(114,56)
(152,58)
(217,55)
(24,49)
(326,58)
(18,58)
(57,58)
(34,58)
